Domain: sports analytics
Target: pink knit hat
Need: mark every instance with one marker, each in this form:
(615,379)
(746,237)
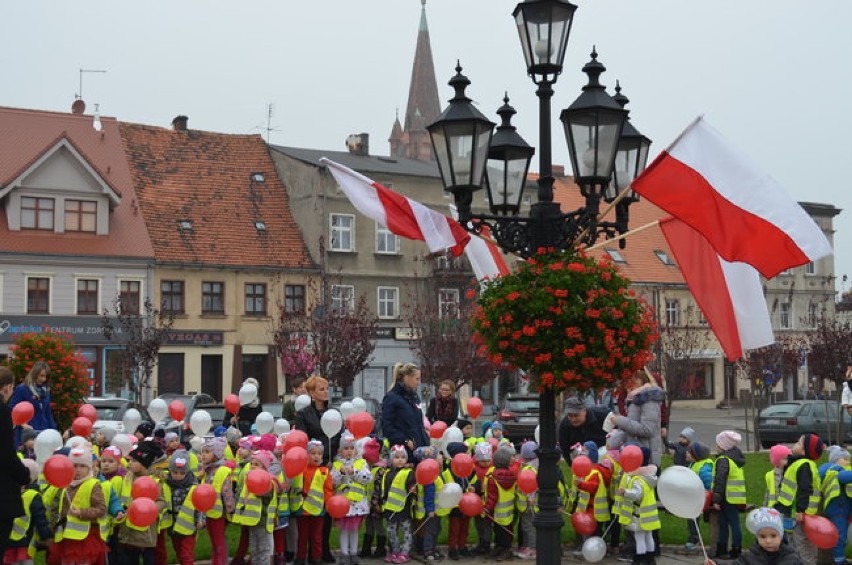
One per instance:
(265,442)
(777,453)
(264,457)
(728,439)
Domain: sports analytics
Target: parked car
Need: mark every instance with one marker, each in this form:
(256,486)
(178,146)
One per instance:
(785,422)
(111,412)
(274,408)
(216,411)
(373,408)
(190,401)
(519,416)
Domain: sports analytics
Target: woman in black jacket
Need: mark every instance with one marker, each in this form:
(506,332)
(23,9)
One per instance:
(444,407)
(402,418)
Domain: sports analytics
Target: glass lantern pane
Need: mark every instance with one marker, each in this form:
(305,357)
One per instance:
(609,131)
(497,182)
(515,179)
(461,144)
(439,142)
(480,155)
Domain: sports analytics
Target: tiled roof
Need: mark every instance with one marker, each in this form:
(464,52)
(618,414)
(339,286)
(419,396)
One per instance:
(25,136)
(364,163)
(642,263)
(205,178)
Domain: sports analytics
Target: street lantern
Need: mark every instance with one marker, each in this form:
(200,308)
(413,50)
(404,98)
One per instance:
(593,125)
(461,137)
(544,27)
(508,164)
(631,157)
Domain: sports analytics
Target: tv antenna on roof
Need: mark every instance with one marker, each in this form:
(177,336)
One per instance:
(80,91)
(270,111)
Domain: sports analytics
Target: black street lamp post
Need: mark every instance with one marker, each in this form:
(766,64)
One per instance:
(596,134)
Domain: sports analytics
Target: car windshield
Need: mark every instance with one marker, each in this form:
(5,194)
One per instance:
(274,408)
(109,413)
(781,410)
(522,405)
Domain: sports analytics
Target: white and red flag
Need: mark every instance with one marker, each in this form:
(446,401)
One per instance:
(744,213)
(729,294)
(483,254)
(401,215)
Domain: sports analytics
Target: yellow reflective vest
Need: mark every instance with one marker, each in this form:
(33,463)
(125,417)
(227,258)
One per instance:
(352,489)
(645,512)
(789,487)
(221,475)
(250,509)
(600,504)
(504,508)
(395,494)
(735,486)
(183,519)
(21,524)
(311,503)
(126,500)
(76,529)
(771,496)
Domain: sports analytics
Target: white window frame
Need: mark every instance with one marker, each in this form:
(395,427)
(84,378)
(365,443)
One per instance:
(49,277)
(77,280)
(616,255)
(813,314)
(384,235)
(350,230)
(384,303)
(448,297)
(785,315)
(810,268)
(337,297)
(672,312)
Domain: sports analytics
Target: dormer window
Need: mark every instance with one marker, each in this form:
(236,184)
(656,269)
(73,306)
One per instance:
(258,177)
(81,215)
(37,213)
(185,225)
(260,226)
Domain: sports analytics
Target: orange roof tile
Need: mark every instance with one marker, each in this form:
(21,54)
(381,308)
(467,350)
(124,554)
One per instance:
(204,177)
(27,135)
(642,264)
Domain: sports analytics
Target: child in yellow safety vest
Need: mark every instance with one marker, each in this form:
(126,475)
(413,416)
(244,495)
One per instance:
(310,491)
(527,504)
(80,510)
(778,457)
(699,462)
(836,478)
(500,501)
(184,518)
(638,506)
(482,454)
(593,489)
(215,473)
(612,459)
(427,514)
(260,512)
(32,529)
(729,492)
(350,477)
(374,528)
(397,492)
(137,542)
(238,479)
(112,476)
(800,493)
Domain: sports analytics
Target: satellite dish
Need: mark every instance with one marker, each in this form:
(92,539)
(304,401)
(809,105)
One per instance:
(78,107)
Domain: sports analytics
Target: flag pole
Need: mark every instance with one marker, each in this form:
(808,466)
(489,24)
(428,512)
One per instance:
(603,214)
(624,235)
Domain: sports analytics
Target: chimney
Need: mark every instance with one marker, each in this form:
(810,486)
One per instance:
(179,123)
(359,144)
(558,170)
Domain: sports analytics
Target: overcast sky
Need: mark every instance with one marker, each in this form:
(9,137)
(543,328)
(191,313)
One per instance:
(772,75)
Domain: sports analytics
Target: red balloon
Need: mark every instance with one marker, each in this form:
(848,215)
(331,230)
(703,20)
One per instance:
(22,413)
(81,426)
(584,523)
(527,481)
(296,438)
(59,471)
(437,430)
(471,504)
(258,481)
(462,465)
(145,487)
(142,512)
(581,466)
(232,403)
(474,407)
(337,506)
(360,424)
(821,531)
(295,461)
(204,497)
(427,471)
(177,410)
(88,411)
(631,458)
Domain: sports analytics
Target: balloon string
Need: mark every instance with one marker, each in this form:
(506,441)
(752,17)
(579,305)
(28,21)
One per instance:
(490,517)
(423,523)
(700,540)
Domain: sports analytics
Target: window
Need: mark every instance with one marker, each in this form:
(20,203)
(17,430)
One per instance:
(786,315)
(81,215)
(171,296)
(672,312)
(342,228)
(255,299)
(38,295)
(294,298)
(810,268)
(664,257)
(129,297)
(87,296)
(698,382)
(342,298)
(448,303)
(212,298)
(813,314)
(388,302)
(386,242)
(37,213)
(616,256)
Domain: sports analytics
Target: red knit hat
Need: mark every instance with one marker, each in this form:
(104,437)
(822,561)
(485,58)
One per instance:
(813,446)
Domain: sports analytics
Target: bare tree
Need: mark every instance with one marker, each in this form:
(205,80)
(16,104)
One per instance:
(830,353)
(142,335)
(681,346)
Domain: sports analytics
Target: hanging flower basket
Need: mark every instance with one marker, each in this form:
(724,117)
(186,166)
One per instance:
(567,319)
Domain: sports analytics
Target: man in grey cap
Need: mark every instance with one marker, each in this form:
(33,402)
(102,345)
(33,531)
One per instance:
(581,424)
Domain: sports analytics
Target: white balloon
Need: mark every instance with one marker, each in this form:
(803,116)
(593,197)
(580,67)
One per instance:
(681,492)
(359,404)
(281,426)
(158,409)
(331,423)
(124,443)
(449,495)
(76,441)
(302,401)
(46,442)
(264,422)
(200,422)
(451,435)
(347,409)
(594,549)
(537,440)
(131,420)
(248,394)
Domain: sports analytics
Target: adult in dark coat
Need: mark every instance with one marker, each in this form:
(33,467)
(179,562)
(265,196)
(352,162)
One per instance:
(244,419)
(308,420)
(36,390)
(402,418)
(13,474)
(444,406)
(581,424)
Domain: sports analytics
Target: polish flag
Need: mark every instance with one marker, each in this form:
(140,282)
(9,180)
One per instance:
(744,214)
(483,254)
(399,214)
(729,294)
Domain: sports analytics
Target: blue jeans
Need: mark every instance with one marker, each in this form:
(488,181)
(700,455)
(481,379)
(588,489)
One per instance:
(841,522)
(729,517)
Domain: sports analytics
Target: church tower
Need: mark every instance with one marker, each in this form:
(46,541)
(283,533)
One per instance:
(411,139)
